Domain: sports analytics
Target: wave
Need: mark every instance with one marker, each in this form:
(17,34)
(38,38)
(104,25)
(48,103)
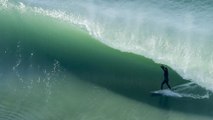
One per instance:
(175,33)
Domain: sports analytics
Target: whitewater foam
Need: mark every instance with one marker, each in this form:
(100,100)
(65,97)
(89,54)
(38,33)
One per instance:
(192,90)
(3,3)
(187,90)
(178,36)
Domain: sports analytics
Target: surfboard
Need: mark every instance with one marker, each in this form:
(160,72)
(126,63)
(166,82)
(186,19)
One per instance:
(166,92)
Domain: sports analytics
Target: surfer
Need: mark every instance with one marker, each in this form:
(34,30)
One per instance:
(166,77)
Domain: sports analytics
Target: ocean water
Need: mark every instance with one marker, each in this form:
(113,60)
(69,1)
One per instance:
(77,60)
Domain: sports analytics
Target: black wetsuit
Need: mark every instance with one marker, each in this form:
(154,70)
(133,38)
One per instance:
(166,77)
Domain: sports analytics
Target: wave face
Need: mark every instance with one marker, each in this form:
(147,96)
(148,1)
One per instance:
(175,33)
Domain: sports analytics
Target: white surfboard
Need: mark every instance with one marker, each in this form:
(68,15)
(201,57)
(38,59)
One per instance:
(166,92)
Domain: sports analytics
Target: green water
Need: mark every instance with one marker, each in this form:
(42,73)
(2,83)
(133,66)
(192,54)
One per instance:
(51,70)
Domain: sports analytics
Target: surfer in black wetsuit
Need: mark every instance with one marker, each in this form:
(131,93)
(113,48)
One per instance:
(166,77)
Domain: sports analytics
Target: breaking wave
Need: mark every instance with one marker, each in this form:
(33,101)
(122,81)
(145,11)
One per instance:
(175,33)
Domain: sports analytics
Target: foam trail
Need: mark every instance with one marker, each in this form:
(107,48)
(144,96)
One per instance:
(191,90)
(175,33)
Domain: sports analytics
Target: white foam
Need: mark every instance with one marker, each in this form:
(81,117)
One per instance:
(188,90)
(21,5)
(192,90)
(3,3)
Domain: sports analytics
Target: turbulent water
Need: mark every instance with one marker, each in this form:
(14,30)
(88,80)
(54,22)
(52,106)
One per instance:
(82,59)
